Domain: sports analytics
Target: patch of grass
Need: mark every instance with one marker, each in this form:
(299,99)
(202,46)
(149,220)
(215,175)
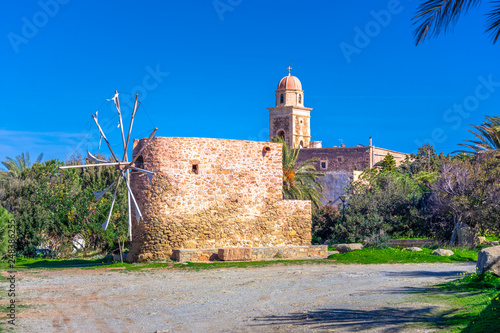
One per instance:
(61,263)
(492,237)
(37,263)
(398,256)
(365,256)
(471,304)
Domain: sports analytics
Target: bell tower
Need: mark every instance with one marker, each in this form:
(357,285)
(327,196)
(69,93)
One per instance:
(290,118)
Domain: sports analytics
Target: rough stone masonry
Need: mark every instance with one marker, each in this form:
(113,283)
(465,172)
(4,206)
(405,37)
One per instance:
(213,193)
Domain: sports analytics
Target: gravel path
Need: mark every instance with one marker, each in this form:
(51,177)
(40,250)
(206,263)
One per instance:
(302,298)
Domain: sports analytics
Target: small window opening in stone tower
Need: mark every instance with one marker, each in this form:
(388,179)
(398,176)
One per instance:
(281,134)
(195,169)
(323,164)
(281,99)
(300,99)
(301,144)
(139,162)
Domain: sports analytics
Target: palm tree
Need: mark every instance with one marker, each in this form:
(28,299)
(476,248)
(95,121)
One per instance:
(300,182)
(434,16)
(487,136)
(16,166)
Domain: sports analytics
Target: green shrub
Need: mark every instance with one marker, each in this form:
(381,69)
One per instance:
(4,224)
(378,240)
(323,221)
(329,224)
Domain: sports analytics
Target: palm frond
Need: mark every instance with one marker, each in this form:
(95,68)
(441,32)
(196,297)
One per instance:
(493,22)
(434,16)
(300,182)
(39,158)
(14,167)
(486,137)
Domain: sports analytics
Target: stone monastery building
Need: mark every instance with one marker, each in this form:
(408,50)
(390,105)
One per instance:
(218,193)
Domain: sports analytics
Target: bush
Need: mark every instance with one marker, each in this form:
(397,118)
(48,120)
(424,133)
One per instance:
(4,237)
(328,224)
(323,221)
(386,200)
(378,240)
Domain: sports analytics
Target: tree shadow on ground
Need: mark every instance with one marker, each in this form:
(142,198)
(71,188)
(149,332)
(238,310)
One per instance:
(385,319)
(395,291)
(63,263)
(488,320)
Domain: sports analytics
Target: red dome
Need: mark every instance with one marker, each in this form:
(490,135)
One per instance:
(290,83)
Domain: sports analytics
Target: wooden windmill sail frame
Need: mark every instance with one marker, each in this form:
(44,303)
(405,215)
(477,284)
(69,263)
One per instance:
(124,166)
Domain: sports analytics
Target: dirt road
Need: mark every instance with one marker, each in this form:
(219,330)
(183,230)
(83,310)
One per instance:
(306,298)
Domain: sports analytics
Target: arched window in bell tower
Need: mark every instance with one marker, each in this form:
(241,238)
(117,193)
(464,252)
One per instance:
(281,99)
(300,99)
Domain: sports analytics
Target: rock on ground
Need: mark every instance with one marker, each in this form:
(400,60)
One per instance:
(414,249)
(343,248)
(467,236)
(488,260)
(443,252)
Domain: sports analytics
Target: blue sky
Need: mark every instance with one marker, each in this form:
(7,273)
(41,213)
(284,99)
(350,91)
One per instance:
(210,69)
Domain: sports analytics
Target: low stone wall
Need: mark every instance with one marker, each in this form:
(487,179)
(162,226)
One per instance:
(410,242)
(194,255)
(257,253)
(292,252)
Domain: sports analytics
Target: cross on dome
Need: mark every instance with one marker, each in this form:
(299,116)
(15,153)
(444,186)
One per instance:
(289,82)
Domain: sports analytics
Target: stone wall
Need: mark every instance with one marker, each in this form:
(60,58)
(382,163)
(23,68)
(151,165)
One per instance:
(341,165)
(348,158)
(213,193)
(338,158)
(411,242)
(333,185)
